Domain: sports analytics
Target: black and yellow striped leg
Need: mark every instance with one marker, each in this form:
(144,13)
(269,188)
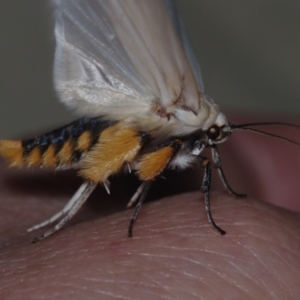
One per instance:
(217,161)
(138,207)
(205,189)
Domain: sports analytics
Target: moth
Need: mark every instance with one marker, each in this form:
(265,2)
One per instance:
(128,69)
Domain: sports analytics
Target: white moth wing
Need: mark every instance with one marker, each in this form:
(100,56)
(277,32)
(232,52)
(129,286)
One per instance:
(121,59)
(185,41)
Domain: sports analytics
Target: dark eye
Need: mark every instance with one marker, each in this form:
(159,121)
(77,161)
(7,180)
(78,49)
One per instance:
(213,132)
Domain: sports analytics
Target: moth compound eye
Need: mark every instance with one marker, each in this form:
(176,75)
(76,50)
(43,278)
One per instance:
(213,132)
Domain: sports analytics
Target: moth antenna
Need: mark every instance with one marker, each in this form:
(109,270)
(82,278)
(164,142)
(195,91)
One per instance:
(267,134)
(264,123)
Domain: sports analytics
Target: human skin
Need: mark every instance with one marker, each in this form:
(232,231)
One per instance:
(174,253)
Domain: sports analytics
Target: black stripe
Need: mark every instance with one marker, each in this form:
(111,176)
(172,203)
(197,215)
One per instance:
(70,132)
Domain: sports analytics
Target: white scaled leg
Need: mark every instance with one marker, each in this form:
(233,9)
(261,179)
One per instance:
(61,213)
(89,187)
(136,195)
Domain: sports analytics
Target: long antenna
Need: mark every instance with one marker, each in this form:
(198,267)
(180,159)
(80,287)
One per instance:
(266,133)
(246,126)
(232,126)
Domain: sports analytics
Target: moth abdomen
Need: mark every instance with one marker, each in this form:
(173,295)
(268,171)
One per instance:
(60,147)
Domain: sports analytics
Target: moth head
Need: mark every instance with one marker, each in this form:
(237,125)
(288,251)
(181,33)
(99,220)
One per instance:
(222,130)
(219,132)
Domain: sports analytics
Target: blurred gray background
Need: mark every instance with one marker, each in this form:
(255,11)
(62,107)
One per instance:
(249,52)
